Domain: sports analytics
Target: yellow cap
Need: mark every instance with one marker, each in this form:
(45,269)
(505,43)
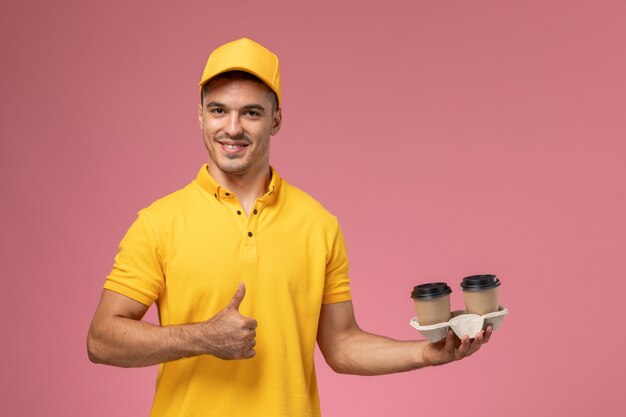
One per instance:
(244,55)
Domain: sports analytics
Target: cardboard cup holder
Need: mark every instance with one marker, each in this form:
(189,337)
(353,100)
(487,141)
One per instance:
(461,323)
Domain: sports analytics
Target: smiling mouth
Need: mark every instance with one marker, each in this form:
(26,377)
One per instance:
(233,146)
(233,149)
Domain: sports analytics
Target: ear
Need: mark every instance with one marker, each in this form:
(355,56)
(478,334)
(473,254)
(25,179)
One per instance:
(276,121)
(200,116)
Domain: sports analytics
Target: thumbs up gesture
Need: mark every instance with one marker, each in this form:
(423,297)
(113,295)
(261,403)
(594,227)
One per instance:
(229,334)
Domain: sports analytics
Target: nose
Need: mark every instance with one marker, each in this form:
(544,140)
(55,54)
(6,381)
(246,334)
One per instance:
(233,126)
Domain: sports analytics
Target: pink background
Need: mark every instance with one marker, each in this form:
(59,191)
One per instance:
(450,138)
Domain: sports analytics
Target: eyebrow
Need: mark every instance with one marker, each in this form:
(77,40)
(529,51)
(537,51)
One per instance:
(214,104)
(253,106)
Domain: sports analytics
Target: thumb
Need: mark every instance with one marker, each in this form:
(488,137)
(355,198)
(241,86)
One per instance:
(238,297)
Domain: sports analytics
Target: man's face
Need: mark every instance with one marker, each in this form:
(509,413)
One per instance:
(237,120)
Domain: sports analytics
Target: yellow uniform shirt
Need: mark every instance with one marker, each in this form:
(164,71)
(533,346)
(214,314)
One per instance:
(188,251)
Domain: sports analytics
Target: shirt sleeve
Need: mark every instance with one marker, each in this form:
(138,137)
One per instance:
(337,287)
(137,272)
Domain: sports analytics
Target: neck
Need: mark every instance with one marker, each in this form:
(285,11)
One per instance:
(247,187)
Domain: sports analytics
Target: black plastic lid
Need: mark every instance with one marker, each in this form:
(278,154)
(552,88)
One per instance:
(430,290)
(480,282)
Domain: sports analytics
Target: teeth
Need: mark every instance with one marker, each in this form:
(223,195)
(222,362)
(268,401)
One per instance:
(232,147)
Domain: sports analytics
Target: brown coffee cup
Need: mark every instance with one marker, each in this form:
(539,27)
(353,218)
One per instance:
(432,302)
(480,293)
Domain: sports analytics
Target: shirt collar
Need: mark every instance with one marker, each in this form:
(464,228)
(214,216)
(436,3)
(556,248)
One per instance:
(208,184)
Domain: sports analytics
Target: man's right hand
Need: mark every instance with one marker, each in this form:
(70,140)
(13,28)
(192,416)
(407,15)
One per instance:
(117,335)
(229,334)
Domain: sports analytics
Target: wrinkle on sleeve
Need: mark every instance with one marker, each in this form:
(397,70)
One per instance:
(138,269)
(337,286)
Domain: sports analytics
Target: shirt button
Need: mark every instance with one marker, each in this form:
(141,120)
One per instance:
(227,194)
(239,212)
(250,234)
(255,212)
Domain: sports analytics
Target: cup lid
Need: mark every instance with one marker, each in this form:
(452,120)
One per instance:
(430,290)
(480,282)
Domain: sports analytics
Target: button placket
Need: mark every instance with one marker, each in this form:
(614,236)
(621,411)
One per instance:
(252,225)
(232,205)
(250,234)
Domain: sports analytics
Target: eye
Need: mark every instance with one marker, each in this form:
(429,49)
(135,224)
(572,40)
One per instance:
(252,113)
(216,110)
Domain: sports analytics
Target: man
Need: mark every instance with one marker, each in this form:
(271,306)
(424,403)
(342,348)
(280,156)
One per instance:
(240,229)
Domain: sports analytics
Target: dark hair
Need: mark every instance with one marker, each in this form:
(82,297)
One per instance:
(240,75)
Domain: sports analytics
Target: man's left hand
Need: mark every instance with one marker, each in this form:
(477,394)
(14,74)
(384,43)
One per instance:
(452,348)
